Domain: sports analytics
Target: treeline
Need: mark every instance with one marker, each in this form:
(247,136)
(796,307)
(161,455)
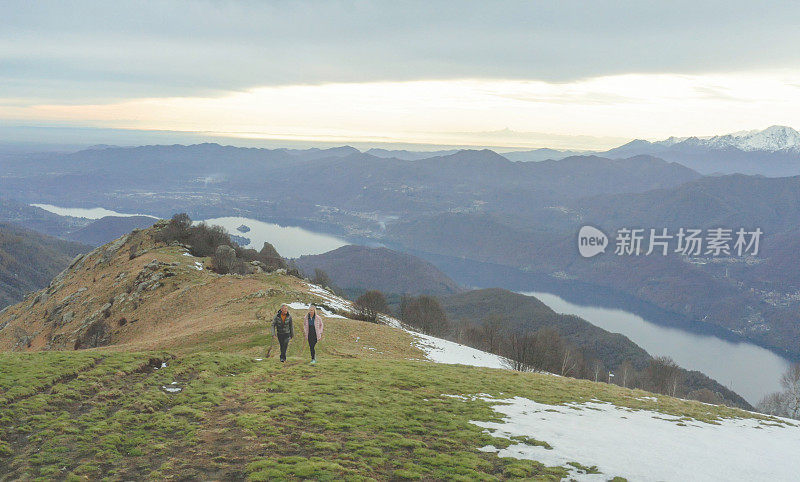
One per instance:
(214,242)
(543,349)
(547,351)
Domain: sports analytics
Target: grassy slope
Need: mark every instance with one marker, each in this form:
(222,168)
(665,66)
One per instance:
(370,409)
(95,413)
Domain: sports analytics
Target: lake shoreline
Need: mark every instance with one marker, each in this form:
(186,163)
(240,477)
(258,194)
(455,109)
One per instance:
(464,272)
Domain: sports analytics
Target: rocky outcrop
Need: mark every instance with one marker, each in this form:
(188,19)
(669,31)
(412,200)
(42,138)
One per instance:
(93,335)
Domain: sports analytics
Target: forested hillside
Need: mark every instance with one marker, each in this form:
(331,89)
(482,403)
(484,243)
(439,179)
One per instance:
(359,268)
(29,260)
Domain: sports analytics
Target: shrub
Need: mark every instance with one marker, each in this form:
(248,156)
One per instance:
(204,240)
(176,230)
(224,259)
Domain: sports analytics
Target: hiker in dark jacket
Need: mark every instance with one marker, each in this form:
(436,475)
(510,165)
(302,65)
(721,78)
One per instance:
(283,329)
(313,324)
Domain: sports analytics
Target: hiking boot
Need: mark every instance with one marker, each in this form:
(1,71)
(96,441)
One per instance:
(313,361)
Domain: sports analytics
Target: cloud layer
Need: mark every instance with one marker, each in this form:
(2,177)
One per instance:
(65,52)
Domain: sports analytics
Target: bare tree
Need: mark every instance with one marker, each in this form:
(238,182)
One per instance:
(790,381)
(774,404)
(597,370)
(426,314)
(492,331)
(370,304)
(321,278)
(663,375)
(547,350)
(706,396)
(625,373)
(570,361)
(518,351)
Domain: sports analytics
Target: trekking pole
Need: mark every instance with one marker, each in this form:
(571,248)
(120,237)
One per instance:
(260,315)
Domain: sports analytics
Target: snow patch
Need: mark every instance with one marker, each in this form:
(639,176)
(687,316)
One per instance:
(330,299)
(646,445)
(296,305)
(388,320)
(331,315)
(443,351)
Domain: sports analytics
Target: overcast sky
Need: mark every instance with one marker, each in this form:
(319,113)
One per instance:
(430,72)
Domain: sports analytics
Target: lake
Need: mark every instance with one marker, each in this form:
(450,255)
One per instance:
(290,241)
(747,369)
(87,213)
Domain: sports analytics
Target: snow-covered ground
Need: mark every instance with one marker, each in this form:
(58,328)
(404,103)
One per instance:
(443,351)
(647,445)
(330,299)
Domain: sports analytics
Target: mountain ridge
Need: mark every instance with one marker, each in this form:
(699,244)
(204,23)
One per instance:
(360,268)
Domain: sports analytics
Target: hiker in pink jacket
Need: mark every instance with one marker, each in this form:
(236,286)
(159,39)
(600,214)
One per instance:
(312,327)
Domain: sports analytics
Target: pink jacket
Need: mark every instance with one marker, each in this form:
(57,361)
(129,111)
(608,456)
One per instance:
(319,325)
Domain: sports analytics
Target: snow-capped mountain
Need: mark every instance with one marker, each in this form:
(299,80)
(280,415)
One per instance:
(771,139)
(774,151)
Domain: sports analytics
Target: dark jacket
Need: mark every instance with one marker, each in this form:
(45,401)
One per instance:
(279,327)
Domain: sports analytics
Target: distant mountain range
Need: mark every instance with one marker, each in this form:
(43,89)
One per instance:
(408,155)
(543,154)
(210,180)
(774,151)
